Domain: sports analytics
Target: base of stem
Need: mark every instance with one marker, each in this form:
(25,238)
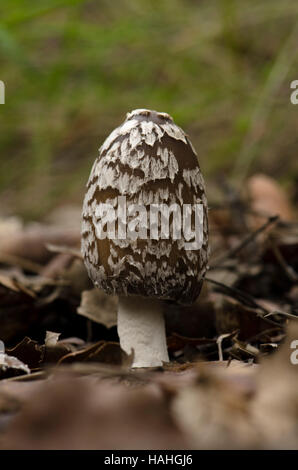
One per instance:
(141,328)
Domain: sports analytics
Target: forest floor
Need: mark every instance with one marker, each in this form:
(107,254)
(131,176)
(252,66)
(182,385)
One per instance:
(232,378)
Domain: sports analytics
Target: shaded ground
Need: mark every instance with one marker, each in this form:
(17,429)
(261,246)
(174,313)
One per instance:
(232,377)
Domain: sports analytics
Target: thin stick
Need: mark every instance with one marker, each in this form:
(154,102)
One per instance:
(21,262)
(219,345)
(244,298)
(233,251)
(285,314)
(289,271)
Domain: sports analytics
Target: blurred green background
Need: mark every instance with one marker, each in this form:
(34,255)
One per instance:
(73,68)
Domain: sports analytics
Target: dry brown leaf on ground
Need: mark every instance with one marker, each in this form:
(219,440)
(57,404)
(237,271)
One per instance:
(28,351)
(103,352)
(196,320)
(267,198)
(10,366)
(99,307)
(233,315)
(36,355)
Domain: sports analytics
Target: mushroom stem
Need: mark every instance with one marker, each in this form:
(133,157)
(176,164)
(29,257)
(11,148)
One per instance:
(141,327)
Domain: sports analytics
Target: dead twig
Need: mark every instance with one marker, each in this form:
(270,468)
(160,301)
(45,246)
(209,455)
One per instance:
(23,263)
(285,314)
(251,237)
(288,270)
(244,298)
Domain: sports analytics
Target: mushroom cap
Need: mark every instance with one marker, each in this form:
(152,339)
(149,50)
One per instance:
(149,160)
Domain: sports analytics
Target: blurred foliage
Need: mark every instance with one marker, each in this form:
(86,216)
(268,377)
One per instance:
(73,68)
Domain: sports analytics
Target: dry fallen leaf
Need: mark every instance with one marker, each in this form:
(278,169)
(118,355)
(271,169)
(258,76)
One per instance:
(267,197)
(10,366)
(105,352)
(99,307)
(82,392)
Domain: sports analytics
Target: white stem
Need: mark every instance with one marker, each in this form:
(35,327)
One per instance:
(141,327)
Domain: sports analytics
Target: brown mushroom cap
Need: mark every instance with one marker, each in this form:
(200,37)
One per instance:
(149,160)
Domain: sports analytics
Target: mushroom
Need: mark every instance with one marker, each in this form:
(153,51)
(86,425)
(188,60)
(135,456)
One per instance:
(144,192)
